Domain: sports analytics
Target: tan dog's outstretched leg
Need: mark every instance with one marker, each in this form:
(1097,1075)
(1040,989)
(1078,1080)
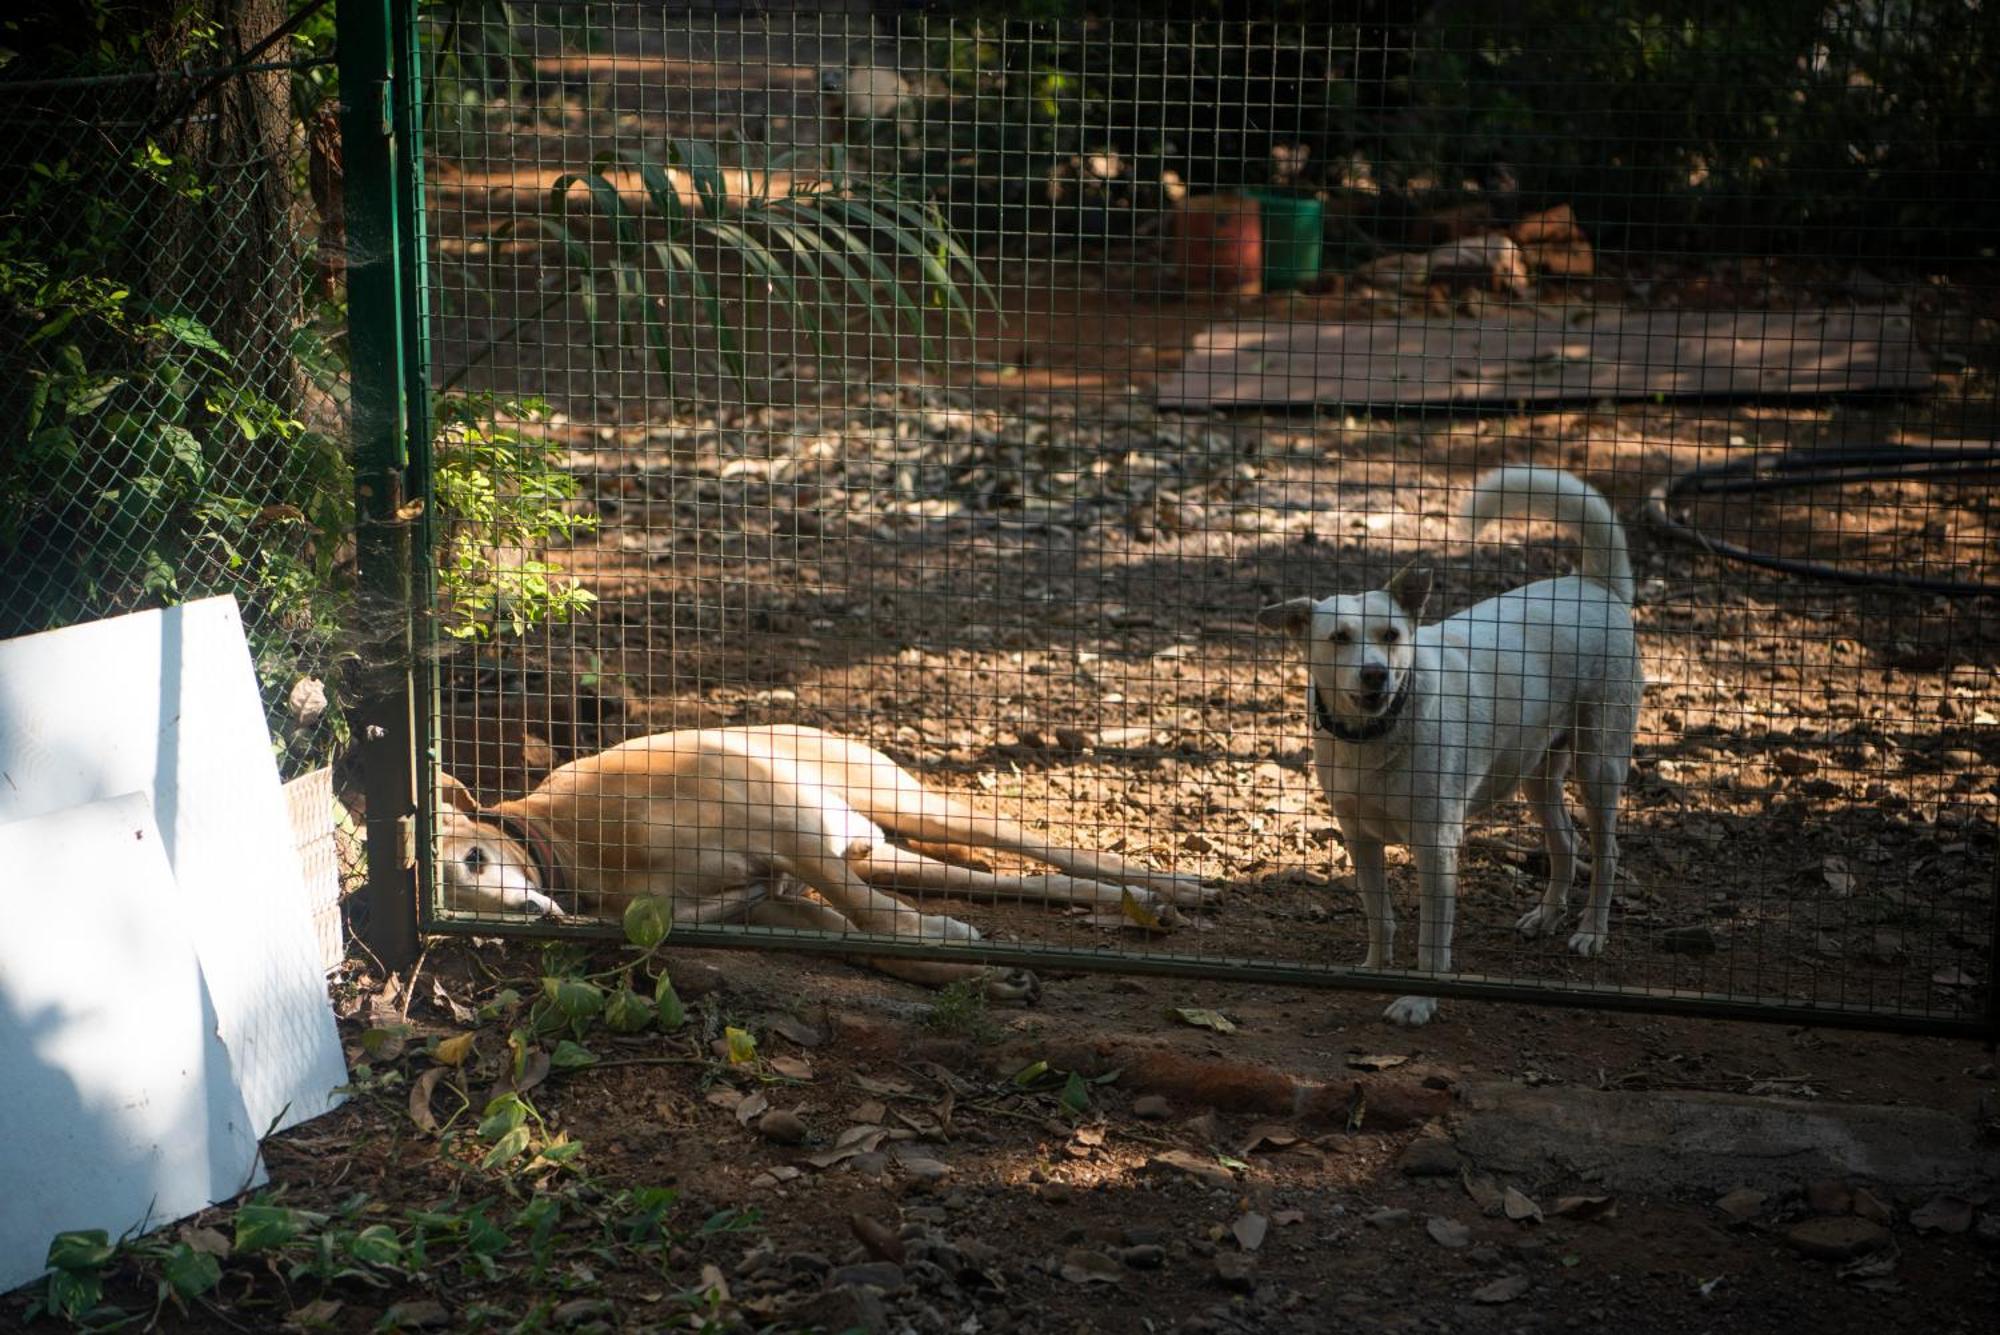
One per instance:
(800,914)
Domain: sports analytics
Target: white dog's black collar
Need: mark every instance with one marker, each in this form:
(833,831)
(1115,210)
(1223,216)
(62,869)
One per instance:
(1372,730)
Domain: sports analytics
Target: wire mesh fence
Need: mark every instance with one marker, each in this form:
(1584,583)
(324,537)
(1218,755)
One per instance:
(987,393)
(170,385)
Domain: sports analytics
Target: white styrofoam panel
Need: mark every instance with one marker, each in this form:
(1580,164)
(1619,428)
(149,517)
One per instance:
(166,703)
(121,1108)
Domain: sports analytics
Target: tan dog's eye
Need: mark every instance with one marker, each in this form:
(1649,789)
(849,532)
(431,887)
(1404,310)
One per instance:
(474,859)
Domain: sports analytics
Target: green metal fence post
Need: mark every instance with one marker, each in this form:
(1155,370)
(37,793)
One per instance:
(379,271)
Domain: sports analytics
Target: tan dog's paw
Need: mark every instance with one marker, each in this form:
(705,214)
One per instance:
(937,927)
(1014,987)
(1184,890)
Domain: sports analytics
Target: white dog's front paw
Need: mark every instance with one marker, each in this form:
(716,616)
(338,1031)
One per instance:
(1411,1010)
(1589,944)
(1539,921)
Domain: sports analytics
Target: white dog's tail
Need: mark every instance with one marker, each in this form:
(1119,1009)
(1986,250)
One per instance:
(1524,492)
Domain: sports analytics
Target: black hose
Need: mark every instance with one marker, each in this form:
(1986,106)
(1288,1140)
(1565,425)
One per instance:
(1821,468)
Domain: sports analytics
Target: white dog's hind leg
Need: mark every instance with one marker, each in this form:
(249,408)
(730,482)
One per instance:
(1603,778)
(1545,794)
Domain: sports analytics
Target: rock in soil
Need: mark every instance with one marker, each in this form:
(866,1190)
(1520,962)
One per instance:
(884,1275)
(1742,1204)
(1430,1156)
(1236,1270)
(1829,1197)
(1837,1238)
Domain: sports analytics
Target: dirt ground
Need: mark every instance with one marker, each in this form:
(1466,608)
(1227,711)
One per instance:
(1029,586)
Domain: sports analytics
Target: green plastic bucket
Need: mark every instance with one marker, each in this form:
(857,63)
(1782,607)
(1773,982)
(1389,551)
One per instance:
(1294,226)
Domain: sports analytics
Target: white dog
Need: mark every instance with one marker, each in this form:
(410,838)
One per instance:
(1417,729)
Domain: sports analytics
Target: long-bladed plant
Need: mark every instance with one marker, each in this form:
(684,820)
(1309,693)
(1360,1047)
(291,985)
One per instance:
(828,248)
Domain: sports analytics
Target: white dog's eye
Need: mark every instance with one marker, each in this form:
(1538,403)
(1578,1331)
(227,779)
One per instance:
(1390,635)
(1342,636)
(474,859)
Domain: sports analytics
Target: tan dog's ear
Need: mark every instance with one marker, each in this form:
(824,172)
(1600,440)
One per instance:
(457,795)
(1411,588)
(1293,616)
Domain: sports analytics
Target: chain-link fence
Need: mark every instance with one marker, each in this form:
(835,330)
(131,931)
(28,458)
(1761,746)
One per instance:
(171,379)
(983,390)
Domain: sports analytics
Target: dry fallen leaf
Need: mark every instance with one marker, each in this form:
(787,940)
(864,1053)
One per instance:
(1203,1019)
(454,1050)
(1275,1135)
(750,1107)
(1249,1230)
(1503,1290)
(1519,1206)
(792,1068)
(1586,1207)
(1080,1265)
(1286,1218)
(885,1088)
(1361,1062)
(420,1100)
(1448,1233)
(798,1031)
(1485,1192)
(1139,914)
(1838,878)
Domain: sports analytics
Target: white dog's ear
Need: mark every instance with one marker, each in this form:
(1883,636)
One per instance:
(1411,588)
(1293,616)
(457,795)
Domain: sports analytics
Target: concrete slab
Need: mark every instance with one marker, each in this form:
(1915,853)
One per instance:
(1681,1142)
(1533,355)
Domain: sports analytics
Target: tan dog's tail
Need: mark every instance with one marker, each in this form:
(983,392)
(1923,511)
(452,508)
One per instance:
(1525,492)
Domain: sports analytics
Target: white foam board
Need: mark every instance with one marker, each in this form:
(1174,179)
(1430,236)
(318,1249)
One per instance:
(166,703)
(122,1111)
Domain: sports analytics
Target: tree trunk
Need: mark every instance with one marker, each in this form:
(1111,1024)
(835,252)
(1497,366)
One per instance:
(226,252)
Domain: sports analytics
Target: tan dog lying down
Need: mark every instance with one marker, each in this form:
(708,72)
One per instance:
(715,819)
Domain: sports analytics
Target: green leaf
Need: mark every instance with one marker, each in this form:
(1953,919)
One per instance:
(576,998)
(673,1011)
(1030,1073)
(264,1227)
(185,329)
(483,1237)
(503,1114)
(648,920)
(1076,1094)
(570,1056)
(563,1153)
(190,1273)
(80,1249)
(376,1245)
(507,1148)
(627,1012)
(72,1293)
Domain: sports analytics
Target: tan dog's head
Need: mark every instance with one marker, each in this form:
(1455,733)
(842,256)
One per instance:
(1359,647)
(482,868)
